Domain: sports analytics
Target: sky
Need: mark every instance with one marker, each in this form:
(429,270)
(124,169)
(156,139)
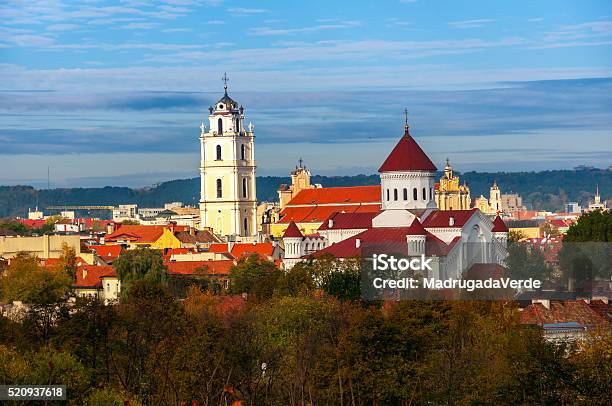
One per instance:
(112,93)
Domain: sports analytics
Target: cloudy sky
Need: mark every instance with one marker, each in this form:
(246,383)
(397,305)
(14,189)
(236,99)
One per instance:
(112,93)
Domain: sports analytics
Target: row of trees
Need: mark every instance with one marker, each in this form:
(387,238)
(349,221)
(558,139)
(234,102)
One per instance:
(303,337)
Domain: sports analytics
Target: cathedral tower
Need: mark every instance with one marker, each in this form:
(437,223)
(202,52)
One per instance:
(227,170)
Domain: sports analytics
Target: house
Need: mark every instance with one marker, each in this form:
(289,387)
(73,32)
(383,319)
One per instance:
(97,281)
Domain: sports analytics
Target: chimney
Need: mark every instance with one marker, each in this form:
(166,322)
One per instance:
(110,228)
(330,223)
(84,271)
(451,221)
(357,243)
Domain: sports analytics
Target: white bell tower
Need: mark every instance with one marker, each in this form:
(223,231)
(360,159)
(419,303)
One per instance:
(228,199)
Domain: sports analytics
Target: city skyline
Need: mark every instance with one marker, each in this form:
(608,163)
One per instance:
(113,94)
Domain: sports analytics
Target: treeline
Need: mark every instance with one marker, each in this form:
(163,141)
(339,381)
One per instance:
(547,190)
(300,338)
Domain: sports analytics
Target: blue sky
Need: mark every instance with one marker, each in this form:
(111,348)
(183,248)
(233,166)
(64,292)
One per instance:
(113,92)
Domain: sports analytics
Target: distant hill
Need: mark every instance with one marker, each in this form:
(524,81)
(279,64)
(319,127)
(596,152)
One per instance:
(542,190)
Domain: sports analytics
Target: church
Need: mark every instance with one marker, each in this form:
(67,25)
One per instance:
(228,202)
(408,221)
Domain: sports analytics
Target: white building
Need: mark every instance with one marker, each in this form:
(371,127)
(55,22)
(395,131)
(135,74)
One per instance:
(228,202)
(409,222)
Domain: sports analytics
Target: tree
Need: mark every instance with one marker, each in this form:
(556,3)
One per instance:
(67,261)
(130,223)
(526,261)
(254,275)
(515,236)
(296,282)
(140,264)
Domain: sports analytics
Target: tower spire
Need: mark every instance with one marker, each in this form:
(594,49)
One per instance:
(406,120)
(225,79)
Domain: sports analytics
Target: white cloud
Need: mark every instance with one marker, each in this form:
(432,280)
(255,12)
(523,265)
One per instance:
(471,23)
(265,31)
(242,11)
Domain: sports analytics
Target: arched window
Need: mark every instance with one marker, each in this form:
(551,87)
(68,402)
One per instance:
(395,194)
(405,194)
(220,126)
(242,152)
(415,194)
(218,152)
(244,187)
(387,194)
(424,194)
(246,226)
(219,189)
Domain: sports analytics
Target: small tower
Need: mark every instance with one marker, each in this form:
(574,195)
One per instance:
(495,198)
(292,240)
(416,238)
(500,231)
(407,176)
(227,170)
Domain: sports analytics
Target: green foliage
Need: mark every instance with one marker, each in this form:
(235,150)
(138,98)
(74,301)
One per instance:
(27,281)
(593,226)
(140,264)
(526,261)
(254,275)
(15,226)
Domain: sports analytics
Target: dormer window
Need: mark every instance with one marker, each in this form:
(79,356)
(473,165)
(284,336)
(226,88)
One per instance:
(220,106)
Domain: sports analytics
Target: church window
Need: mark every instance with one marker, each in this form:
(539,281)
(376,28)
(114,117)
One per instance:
(244,187)
(219,189)
(220,126)
(405,194)
(242,152)
(218,152)
(415,194)
(246,226)
(394,194)
(424,194)
(387,194)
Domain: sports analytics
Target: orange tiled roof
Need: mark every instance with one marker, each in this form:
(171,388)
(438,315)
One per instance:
(93,275)
(244,249)
(562,312)
(107,252)
(221,267)
(137,233)
(318,214)
(338,195)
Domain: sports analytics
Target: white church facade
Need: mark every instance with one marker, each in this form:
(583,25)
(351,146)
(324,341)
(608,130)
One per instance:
(228,203)
(409,222)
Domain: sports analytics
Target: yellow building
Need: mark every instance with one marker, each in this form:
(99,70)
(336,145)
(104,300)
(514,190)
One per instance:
(300,180)
(135,236)
(449,194)
(491,206)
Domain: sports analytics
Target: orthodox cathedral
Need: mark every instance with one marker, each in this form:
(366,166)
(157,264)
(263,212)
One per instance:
(408,221)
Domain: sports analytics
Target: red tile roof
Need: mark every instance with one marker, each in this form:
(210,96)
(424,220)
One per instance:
(315,214)
(337,195)
(265,249)
(292,231)
(499,226)
(221,267)
(93,276)
(349,220)
(137,233)
(384,239)
(407,156)
(107,252)
(441,218)
(563,312)
(416,228)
